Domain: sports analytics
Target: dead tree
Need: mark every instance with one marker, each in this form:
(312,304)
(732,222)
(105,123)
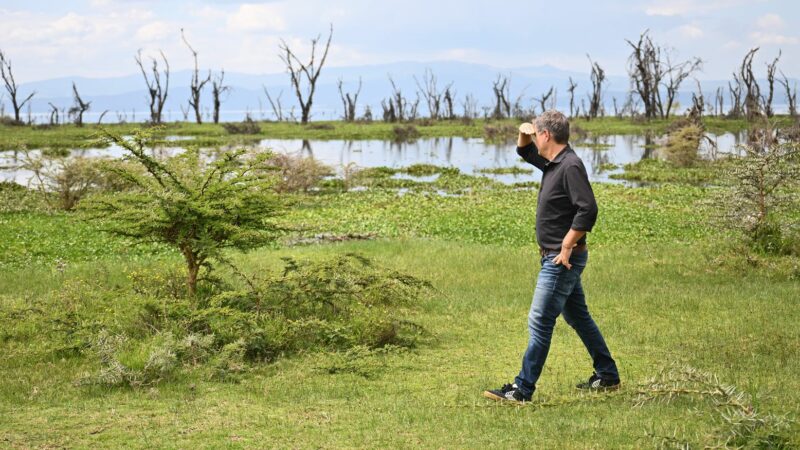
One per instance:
(501,88)
(197,84)
(389,113)
(277,108)
(698,102)
(79,107)
(53,114)
(719,102)
(430,93)
(449,99)
(598,76)
(735,91)
(470,105)
(676,74)
(791,95)
(543,99)
(571,90)
(646,70)
(771,84)
(400,103)
(349,102)
(752,93)
(11,87)
(102,114)
(218,88)
(157,92)
(304,74)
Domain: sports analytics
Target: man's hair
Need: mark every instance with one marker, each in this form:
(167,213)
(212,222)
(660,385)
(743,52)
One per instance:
(554,122)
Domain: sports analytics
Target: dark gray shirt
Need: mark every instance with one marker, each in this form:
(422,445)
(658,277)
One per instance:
(566,199)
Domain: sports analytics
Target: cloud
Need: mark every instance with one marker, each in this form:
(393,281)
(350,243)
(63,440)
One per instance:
(257,17)
(155,31)
(770,21)
(766,38)
(685,7)
(690,31)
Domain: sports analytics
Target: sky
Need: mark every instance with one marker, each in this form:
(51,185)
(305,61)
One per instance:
(47,39)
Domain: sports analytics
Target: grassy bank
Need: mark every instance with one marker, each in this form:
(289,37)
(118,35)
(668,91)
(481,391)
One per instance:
(211,135)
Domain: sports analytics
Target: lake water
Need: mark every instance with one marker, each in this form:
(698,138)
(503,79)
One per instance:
(469,155)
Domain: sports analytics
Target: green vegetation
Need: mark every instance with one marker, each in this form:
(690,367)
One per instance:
(390,342)
(659,171)
(211,135)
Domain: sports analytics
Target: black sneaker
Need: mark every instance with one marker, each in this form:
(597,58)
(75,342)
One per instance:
(509,392)
(595,383)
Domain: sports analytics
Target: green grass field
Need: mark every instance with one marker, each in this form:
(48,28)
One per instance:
(664,289)
(211,135)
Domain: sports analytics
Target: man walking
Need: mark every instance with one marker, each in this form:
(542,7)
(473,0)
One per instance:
(566,211)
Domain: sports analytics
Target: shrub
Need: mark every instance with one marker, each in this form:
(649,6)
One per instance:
(199,208)
(500,133)
(683,144)
(298,173)
(405,133)
(247,126)
(63,182)
(333,304)
(759,199)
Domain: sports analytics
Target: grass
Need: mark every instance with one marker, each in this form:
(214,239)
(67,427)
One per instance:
(211,135)
(697,314)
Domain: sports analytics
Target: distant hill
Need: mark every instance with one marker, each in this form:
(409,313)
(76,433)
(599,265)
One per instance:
(127,95)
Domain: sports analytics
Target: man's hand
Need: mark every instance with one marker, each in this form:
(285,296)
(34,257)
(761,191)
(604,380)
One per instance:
(526,130)
(563,257)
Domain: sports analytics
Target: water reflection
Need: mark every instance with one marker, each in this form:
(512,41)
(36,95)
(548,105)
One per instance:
(469,155)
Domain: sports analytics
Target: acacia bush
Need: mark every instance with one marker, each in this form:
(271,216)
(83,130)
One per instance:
(760,198)
(197,206)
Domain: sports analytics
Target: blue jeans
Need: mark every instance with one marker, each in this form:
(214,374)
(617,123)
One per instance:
(559,291)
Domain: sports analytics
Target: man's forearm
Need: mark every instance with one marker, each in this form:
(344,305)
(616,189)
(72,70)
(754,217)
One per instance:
(572,238)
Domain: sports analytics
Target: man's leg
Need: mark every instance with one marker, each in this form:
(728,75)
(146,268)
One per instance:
(576,314)
(554,285)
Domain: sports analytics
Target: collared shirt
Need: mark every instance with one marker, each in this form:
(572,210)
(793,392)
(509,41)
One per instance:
(565,197)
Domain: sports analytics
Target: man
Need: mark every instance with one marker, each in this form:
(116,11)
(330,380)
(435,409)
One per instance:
(565,213)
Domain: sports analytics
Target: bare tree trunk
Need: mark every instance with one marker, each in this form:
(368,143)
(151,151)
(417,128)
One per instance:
(719,102)
(752,94)
(501,88)
(12,88)
(470,105)
(571,90)
(277,108)
(698,102)
(157,92)
(598,76)
(349,102)
(736,97)
(298,71)
(197,84)
(543,99)
(771,83)
(430,93)
(79,107)
(449,99)
(53,114)
(791,97)
(677,73)
(217,89)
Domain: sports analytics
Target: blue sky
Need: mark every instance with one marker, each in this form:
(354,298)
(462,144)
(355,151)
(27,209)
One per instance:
(98,38)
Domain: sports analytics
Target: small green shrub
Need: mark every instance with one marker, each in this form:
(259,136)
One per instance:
(297,173)
(247,126)
(405,133)
(683,144)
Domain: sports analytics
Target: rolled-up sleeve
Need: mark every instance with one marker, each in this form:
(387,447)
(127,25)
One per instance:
(531,154)
(582,197)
